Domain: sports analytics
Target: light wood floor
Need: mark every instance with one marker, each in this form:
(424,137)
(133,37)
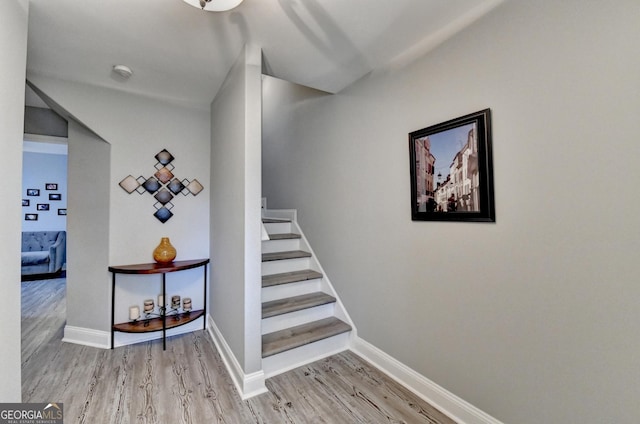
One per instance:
(188,382)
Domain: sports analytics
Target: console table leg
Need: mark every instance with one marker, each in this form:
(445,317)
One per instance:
(204,317)
(164,312)
(113,305)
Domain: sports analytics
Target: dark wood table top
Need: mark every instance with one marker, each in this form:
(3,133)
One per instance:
(157,268)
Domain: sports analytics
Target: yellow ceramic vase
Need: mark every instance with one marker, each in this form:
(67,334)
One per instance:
(165,252)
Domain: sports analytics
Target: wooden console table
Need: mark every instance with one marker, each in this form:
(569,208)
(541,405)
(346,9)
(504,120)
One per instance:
(161,323)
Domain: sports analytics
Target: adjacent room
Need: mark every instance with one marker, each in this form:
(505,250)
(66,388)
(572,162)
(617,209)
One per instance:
(44,191)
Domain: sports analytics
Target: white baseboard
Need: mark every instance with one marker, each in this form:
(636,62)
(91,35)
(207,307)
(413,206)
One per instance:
(102,339)
(248,385)
(87,337)
(451,405)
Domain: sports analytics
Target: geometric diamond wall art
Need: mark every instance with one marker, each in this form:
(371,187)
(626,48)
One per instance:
(163,185)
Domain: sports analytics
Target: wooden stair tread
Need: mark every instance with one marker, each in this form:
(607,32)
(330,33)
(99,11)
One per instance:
(290,254)
(284,236)
(295,303)
(289,277)
(275,220)
(291,338)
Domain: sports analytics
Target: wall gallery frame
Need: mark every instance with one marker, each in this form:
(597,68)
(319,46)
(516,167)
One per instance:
(451,170)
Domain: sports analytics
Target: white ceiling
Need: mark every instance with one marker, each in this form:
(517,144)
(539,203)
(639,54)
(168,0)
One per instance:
(183,54)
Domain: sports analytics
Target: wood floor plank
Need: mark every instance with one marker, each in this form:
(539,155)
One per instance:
(189,383)
(211,405)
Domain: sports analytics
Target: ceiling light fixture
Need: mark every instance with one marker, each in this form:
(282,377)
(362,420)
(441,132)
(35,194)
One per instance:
(214,5)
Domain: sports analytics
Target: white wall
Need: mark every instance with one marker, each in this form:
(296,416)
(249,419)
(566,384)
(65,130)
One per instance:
(534,318)
(13,56)
(235,213)
(136,129)
(39,169)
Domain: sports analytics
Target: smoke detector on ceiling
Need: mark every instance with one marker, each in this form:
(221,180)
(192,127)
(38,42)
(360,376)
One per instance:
(123,71)
(214,5)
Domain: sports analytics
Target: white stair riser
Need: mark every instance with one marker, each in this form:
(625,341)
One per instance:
(278,227)
(284,214)
(283,291)
(280,322)
(280,245)
(286,361)
(285,265)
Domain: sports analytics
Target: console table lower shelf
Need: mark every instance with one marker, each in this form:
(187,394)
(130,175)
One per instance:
(155,324)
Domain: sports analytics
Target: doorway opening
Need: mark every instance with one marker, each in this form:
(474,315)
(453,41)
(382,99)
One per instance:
(44,207)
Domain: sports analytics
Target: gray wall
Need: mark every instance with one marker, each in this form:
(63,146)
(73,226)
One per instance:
(235,210)
(39,120)
(284,104)
(13,56)
(88,291)
(534,318)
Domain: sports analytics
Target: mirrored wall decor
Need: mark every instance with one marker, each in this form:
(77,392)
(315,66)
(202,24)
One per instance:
(163,185)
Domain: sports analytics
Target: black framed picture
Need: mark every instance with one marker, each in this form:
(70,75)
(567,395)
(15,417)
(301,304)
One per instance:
(33,192)
(55,196)
(451,170)
(25,202)
(30,216)
(62,211)
(42,206)
(51,186)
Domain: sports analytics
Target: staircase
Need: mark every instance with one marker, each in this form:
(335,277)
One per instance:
(302,318)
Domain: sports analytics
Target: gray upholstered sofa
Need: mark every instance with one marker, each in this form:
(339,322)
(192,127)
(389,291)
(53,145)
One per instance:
(43,252)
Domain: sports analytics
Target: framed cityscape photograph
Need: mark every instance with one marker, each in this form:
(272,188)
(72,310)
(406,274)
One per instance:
(51,186)
(451,170)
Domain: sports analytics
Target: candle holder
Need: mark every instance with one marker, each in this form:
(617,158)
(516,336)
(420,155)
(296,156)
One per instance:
(149,307)
(186,305)
(162,311)
(175,306)
(148,316)
(134,313)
